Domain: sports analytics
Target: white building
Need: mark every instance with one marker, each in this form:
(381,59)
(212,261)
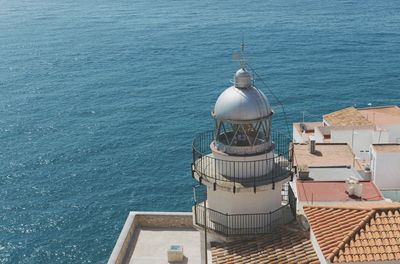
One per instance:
(358,127)
(385,169)
(373,135)
(242,164)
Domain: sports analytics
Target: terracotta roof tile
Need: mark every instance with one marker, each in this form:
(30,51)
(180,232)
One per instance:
(381,115)
(363,234)
(346,117)
(282,246)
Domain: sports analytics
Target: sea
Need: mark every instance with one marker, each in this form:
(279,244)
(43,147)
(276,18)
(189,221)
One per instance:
(100,101)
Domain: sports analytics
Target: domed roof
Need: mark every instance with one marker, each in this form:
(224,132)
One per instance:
(235,104)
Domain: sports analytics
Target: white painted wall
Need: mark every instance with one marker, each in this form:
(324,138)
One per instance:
(360,141)
(247,166)
(297,136)
(318,136)
(381,136)
(393,131)
(245,202)
(385,168)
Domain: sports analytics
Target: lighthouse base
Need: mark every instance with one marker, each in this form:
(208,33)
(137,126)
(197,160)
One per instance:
(245,214)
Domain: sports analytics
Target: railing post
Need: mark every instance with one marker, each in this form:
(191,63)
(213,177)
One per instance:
(273,182)
(215,174)
(201,165)
(269,222)
(254,176)
(205,230)
(195,213)
(234,177)
(227,229)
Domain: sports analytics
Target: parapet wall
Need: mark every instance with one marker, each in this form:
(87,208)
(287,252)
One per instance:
(164,219)
(136,220)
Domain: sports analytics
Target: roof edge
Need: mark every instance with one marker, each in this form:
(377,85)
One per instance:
(378,107)
(376,206)
(340,110)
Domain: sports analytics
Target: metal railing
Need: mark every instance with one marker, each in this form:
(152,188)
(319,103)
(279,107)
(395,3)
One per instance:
(242,224)
(239,224)
(246,173)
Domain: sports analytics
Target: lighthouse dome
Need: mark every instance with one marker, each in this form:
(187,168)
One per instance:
(238,104)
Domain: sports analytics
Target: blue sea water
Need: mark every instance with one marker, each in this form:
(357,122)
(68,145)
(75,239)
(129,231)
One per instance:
(99,101)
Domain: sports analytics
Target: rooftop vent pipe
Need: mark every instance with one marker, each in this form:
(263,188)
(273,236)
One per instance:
(312,145)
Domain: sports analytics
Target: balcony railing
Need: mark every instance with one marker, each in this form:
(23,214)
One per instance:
(233,174)
(240,224)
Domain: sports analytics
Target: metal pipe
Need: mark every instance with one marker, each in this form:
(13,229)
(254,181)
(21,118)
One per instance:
(205,230)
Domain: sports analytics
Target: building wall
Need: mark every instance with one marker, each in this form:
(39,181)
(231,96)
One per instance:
(381,136)
(318,136)
(360,141)
(245,202)
(242,166)
(385,168)
(297,136)
(393,131)
(392,194)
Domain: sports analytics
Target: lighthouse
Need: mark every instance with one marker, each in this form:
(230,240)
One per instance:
(241,166)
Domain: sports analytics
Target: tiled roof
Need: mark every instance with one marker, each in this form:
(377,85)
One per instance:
(282,246)
(332,225)
(353,234)
(346,117)
(381,115)
(364,116)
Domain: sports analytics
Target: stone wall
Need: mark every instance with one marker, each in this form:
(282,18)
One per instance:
(173,220)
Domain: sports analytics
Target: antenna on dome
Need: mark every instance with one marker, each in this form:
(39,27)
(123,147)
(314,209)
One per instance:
(239,56)
(243,59)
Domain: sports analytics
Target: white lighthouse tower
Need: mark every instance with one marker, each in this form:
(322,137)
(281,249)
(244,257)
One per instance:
(242,165)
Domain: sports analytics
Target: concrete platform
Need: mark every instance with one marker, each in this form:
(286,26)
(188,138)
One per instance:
(152,244)
(146,237)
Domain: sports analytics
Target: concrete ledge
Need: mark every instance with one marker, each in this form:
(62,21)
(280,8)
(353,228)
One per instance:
(136,220)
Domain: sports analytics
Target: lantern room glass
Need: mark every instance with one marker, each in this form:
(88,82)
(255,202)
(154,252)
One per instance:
(243,134)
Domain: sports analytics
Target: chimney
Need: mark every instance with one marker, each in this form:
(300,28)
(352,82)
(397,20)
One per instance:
(312,145)
(303,127)
(367,173)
